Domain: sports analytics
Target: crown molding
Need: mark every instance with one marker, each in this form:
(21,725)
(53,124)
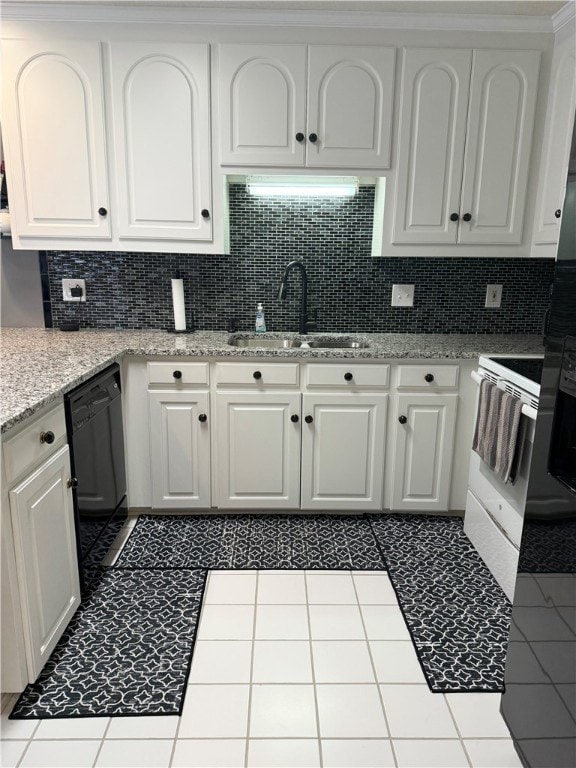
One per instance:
(564,16)
(119,12)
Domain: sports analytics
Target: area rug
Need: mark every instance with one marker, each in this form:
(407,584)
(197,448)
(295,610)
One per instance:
(457,614)
(303,542)
(127,650)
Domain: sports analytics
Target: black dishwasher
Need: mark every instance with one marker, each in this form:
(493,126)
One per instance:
(96,439)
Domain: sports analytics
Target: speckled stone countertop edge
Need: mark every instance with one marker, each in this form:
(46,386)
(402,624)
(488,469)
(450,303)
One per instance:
(39,366)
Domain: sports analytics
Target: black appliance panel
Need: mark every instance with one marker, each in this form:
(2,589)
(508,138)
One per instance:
(530,368)
(95,434)
(562,462)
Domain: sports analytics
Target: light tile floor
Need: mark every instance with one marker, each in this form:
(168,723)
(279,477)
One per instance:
(291,670)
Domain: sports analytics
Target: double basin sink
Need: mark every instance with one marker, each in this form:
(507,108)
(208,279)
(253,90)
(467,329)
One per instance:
(289,343)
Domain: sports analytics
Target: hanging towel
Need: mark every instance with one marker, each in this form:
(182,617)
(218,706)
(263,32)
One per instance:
(497,430)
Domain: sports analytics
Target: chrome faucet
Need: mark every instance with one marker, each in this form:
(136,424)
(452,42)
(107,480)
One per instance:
(305,324)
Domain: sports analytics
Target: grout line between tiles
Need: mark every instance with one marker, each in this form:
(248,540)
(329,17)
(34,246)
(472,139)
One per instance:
(375,674)
(316,710)
(249,714)
(462,744)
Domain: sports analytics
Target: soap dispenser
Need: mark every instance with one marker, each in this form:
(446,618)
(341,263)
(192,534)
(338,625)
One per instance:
(260,325)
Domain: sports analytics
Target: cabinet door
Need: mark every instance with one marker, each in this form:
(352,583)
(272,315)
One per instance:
(46,557)
(350,106)
(558,137)
(434,103)
(343,451)
(54,134)
(498,145)
(261,104)
(161,116)
(258,450)
(179,449)
(423,450)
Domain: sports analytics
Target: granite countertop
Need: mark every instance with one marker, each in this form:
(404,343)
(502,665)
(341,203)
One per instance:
(38,366)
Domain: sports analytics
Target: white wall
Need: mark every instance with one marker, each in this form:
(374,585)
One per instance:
(21,290)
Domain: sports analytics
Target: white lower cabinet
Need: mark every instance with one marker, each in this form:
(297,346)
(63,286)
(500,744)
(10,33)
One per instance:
(343,451)
(46,560)
(179,449)
(423,451)
(258,449)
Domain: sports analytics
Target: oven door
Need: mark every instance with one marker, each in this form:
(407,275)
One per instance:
(562,456)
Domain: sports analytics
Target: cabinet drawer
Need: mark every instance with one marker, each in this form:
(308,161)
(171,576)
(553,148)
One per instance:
(167,373)
(347,376)
(27,449)
(257,374)
(430,377)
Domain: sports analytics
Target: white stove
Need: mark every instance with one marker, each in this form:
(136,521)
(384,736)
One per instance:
(494,509)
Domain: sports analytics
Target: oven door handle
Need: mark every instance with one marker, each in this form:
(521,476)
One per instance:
(527,410)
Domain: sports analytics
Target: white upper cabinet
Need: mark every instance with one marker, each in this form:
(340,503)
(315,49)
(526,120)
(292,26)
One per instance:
(161,107)
(558,135)
(464,149)
(434,103)
(295,105)
(54,130)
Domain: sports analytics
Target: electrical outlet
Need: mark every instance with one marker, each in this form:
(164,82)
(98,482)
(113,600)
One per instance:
(402,296)
(68,285)
(493,296)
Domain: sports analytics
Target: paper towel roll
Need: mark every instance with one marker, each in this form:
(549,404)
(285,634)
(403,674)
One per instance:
(178,304)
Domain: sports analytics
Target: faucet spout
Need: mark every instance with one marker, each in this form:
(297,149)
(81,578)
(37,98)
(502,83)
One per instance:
(282,293)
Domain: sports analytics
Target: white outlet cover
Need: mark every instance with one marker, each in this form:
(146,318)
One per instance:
(67,284)
(402,296)
(493,296)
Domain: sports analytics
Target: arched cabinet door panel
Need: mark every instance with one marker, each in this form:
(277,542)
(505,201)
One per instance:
(161,116)
(261,104)
(55,139)
(432,131)
(350,103)
(499,141)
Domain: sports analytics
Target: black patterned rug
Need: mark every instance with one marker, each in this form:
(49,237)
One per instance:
(456,612)
(303,542)
(127,650)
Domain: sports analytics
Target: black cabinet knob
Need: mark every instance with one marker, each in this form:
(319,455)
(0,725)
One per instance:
(558,213)
(348,376)
(205,213)
(177,374)
(202,418)
(467,217)
(402,419)
(429,377)
(308,419)
(299,136)
(295,418)
(72,482)
(454,217)
(313,137)
(102,211)
(47,437)
(257,375)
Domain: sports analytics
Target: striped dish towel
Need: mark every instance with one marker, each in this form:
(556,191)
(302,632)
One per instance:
(497,429)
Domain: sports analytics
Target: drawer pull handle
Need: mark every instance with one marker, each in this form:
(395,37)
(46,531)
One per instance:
(402,419)
(429,377)
(295,418)
(103,211)
(47,437)
(202,418)
(454,217)
(177,374)
(348,376)
(300,136)
(308,419)
(257,375)
(313,137)
(558,213)
(205,213)
(467,217)
(72,482)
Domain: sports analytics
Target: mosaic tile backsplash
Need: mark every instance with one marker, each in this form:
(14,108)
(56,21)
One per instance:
(349,291)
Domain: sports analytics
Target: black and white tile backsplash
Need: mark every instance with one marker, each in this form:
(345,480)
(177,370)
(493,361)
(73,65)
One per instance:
(349,290)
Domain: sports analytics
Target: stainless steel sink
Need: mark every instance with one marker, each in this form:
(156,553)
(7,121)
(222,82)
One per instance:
(279,343)
(335,344)
(240,341)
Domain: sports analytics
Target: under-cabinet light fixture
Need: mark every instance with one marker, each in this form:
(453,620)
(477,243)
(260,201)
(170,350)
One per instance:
(302,186)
